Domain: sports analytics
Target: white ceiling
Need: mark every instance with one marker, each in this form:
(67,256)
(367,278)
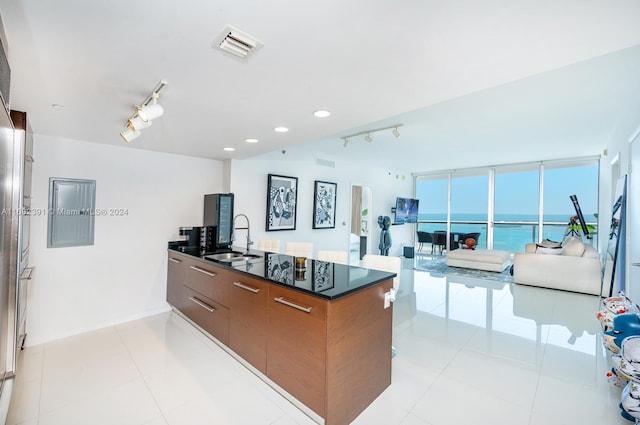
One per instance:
(473,83)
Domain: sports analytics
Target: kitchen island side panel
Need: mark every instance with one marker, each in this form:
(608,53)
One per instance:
(359,331)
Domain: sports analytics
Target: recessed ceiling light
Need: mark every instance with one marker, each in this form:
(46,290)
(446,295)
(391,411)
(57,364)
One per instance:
(251,140)
(281,129)
(321,114)
(229,149)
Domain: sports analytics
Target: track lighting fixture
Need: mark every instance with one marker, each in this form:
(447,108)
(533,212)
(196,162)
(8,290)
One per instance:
(129,134)
(368,133)
(144,114)
(136,123)
(152,111)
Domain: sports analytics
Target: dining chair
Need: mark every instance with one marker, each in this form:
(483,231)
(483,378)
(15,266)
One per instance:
(423,238)
(299,249)
(269,245)
(340,257)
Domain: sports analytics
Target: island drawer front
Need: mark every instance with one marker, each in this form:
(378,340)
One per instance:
(296,347)
(208,314)
(248,319)
(175,278)
(208,279)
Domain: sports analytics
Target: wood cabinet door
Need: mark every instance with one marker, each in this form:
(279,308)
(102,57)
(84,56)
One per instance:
(248,319)
(176,266)
(296,345)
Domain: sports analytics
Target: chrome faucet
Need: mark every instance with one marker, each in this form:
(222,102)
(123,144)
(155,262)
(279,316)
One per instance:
(234,228)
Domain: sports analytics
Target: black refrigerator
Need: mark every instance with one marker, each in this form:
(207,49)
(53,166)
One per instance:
(218,219)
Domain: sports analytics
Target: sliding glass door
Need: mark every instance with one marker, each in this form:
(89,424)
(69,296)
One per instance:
(516,206)
(509,205)
(469,207)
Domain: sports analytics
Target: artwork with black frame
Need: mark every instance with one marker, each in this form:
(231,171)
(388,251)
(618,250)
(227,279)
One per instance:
(282,197)
(322,275)
(324,205)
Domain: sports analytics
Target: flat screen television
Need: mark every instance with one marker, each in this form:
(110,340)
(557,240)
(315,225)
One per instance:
(406,210)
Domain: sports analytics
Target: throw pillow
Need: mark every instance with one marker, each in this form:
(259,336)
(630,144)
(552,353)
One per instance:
(573,247)
(549,251)
(550,244)
(549,247)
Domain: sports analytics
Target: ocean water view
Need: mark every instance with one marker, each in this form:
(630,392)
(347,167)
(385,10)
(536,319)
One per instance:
(511,231)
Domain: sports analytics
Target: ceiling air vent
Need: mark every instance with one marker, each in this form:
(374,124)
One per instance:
(236,42)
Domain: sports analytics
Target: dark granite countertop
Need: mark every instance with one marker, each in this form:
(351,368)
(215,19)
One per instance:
(320,278)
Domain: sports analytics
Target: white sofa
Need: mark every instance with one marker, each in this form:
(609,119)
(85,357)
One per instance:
(572,266)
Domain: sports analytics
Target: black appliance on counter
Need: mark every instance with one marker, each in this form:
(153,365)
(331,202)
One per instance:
(218,220)
(191,237)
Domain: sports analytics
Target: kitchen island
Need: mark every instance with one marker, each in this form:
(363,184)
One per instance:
(321,335)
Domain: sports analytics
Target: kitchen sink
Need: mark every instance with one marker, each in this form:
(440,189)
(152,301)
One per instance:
(232,257)
(222,256)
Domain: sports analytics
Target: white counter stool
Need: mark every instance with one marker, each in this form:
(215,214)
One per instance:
(269,245)
(299,249)
(340,257)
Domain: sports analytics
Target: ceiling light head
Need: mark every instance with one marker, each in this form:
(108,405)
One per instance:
(136,123)
(368,138)
(229,149)
(150,112)
(281,129)
(396,132)
(129,134)
(251,140)
(321,114)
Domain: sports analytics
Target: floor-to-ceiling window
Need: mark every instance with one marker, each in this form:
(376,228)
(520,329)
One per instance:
(516,206)
(561,180)
(469,206)
(510,205)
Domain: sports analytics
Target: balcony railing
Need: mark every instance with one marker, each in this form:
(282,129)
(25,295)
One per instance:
(510,236)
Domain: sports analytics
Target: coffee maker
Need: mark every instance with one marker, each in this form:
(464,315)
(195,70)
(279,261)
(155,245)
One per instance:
(191,237)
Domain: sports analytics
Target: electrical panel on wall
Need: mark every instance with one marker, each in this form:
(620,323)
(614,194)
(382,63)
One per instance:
(71,212)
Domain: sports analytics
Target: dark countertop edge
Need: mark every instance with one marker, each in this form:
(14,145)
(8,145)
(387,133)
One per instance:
(295,288)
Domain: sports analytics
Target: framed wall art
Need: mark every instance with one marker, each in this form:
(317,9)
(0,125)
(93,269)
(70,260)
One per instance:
(282,196)
(324,205)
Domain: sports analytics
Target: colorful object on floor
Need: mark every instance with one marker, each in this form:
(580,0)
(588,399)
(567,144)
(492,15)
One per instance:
(631,401)
(613,306)
(624,325)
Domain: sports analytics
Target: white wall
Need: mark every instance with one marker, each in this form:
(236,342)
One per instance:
(123,275)
(249,184)
(629,122)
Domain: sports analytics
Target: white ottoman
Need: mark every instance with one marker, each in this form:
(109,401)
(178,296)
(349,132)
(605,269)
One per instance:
(492,260)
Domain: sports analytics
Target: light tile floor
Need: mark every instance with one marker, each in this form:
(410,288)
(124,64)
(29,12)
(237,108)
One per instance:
(469,352)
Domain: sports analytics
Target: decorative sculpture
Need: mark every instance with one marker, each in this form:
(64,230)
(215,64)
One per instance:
(385,234)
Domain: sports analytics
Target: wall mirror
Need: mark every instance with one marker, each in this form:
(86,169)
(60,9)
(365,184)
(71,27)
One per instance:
(614,275)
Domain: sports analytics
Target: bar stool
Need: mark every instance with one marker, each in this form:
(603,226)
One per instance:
(299,249)
(269,245)
(340,257)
